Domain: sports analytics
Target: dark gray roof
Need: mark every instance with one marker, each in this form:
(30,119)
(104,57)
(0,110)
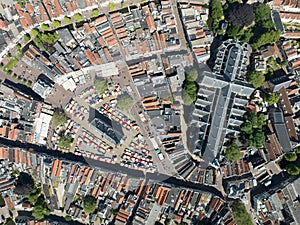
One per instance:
(277,118)
(65,35)
(110,129)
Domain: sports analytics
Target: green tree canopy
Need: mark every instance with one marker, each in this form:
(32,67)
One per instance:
(240,214)
(56,23)
(95,12)
(293,169)
(101,85)
(89,204)
(272,98)
(216,14)
(233,32)
(40,208)
(34,195)
(45,27)
(67,19)
(256,120)
(112,6)
(35,32)
(77,17)
(186,99)
(125,102)
(192,74)
(233,152)
(65,142)
(247,127)
(68,218)
(266,38)
(262,13)
(258,139)
(291,157)
(257,78)
(59,119)
(190,92)
(26,37)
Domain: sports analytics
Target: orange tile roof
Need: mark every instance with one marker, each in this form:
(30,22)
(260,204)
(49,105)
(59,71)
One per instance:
(29,8)
(101,19)
(19,9)
(69,7)
(149,19)
(89,175)
(43,13)
(90,56)
(24,23)
(54,167)
(58,7)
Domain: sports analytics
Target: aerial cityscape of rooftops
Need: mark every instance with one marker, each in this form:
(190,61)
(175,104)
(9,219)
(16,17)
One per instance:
(156,112)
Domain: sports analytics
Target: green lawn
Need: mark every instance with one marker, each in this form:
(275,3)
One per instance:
(11,64)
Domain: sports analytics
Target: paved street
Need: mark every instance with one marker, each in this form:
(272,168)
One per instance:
(114,168)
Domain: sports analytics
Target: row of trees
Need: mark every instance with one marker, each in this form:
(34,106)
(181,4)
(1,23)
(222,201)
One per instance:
(233,152)
(41,39)
(25,186)
(190,87)
(293,162)
(252,130)
(246,22)
(216,15)
(240,214)
(264,30)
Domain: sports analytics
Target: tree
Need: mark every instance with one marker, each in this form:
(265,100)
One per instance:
(186,99)
(216,14)
(190,90)
(89,204)
(272,98)
(233,152)
(65,142)
(125,102)
(35,32)
(240,214)
(262,13)
(100,85)
(192,74)
(233,31)
(58,119)
(293,169)
(56,23)
(68,218)
(258,139)
(77,17)
(26,37)
(266,38)
(95,12)
(247,127)
(256,78)
(45,27)
(291,157)
(67,19)
(9,221)
(112,6)
(260,120)
(246,36)
(240,15)
(24,184)
(34,195)
(40,208)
